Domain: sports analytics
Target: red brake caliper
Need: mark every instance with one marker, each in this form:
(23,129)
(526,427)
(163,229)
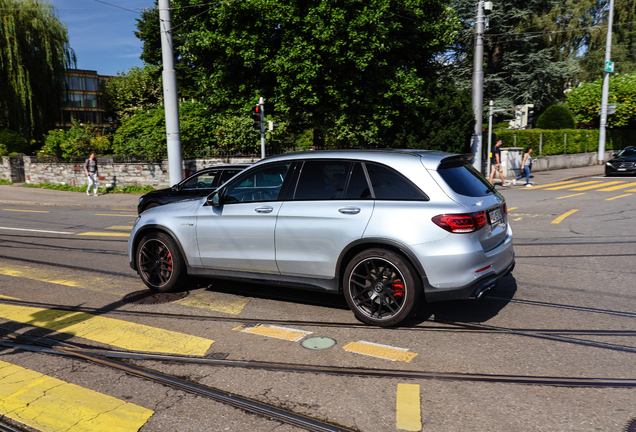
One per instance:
(398,288)
(169,261)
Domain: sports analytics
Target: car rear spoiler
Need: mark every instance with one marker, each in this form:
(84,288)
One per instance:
(456,160)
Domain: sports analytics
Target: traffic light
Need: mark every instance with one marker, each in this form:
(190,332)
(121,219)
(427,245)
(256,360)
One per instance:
(530,122)
(257,116)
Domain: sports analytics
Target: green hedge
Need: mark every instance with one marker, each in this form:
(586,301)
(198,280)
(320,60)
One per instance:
(578,140)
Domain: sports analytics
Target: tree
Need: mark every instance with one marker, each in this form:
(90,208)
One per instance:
(34,56)
(556,117)
(357,73)
(79,140)
(139,89)
(12,142)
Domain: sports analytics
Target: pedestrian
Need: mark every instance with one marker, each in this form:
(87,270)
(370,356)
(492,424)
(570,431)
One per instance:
(527,166)
(495,164)
(91,172)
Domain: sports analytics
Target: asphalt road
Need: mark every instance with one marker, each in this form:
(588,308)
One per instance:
(568,311)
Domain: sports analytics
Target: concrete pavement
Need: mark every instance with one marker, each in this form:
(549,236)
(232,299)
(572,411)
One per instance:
(16,195)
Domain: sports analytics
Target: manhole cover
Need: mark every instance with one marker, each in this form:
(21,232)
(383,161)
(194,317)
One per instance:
(631,427)
(148,297)
(317,343)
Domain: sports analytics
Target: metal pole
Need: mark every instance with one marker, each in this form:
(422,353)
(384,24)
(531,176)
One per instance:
(170,98)
(605,95)
(261,102)
(478,84)
(489,136)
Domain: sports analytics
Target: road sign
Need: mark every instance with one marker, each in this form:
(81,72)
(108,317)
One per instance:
(609,66)
(611,109)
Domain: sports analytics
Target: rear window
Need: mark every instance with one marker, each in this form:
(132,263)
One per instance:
(464,179)
(391,185)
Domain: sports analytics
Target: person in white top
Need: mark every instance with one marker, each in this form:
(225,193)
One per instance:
(527,166)
(91,172)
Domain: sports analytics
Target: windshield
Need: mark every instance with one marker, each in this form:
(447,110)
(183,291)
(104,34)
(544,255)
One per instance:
(628,152)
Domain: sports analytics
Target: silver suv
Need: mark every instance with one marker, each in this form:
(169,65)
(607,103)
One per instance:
(387,228)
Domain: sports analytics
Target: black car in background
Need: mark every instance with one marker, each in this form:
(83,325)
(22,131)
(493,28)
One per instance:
(622,163)
(199,184)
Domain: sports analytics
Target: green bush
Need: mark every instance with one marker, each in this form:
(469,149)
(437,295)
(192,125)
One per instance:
(551,142)
(12,142)
(5,182)
(64,187)
(556,117)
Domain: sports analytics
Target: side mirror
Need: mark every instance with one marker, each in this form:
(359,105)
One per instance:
(216,200)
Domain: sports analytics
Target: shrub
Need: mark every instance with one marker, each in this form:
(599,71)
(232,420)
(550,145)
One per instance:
(556,117)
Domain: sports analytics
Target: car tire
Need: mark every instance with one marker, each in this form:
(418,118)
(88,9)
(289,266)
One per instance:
(381,287)
(159,263)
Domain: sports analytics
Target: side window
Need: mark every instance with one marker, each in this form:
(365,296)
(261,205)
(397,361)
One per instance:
(322,180)
(390,185)
(260,184)
(358,187)
(228,174)
(201,181)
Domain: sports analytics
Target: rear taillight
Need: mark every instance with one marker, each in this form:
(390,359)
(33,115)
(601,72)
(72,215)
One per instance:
(505,208)
(461,223)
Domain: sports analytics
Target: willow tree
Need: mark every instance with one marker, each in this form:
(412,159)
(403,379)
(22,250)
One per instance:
(34,55)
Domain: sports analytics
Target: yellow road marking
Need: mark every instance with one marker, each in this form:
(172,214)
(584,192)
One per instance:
(106,234)
(122,334)
(28,211)
(105,214)
(563,216)
(570,196)
(214,301)
(380,351)
(569,186)
(48,404)
(613,188)
(617,197)
(596,186)
(408,414)
(121,227)
(553,184)
(631,190)
(275,332)
(124,210)
(513,208)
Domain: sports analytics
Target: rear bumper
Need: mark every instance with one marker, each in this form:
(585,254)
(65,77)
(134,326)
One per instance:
(477,289)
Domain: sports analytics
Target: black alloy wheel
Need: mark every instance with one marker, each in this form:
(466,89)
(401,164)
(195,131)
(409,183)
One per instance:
(159,263)
(381,287)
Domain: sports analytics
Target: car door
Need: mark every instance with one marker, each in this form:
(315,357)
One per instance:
(239,234)
(330,208)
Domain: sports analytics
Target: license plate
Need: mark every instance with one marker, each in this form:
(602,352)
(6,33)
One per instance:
(495,216)
(622,169)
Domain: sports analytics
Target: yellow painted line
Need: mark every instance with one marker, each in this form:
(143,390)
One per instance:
(380,351)
(60,278)
(133,210)
(617,197)
(275,332)
(408,413)
(28,211)
(105,234)
(570,196)
(569,186)
(122,334)
(631,190)
(613,188)
(563,216)
(513,208)
(552,184)
(105,214)
(215,301)
(596,186)
(121,227)
(48,404)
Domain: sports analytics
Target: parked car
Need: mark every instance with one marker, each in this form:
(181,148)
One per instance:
(199,184)
(623,163)
(386,228)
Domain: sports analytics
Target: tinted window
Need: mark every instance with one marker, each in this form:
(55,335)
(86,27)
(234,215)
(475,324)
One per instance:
(202,181)
(322,180)
(390,185)
(260,184)
(358,187)
(464,179)
(228,174)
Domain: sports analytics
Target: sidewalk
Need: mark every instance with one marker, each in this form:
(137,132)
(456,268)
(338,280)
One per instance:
(16,195)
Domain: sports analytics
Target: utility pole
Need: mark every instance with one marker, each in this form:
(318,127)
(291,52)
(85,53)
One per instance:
(261,102)
(609,68)
(478,85)
(170,98)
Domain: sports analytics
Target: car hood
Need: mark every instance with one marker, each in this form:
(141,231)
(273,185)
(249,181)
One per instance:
(177,205)
(623,159)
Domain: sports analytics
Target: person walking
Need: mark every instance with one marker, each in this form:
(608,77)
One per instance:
(527,166)
(91,172)
(495,164)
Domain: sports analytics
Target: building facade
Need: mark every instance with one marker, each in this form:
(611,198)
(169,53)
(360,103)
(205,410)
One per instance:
(81,101)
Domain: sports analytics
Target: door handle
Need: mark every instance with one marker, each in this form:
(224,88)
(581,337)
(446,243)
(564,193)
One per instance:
(264,209)
(349,210)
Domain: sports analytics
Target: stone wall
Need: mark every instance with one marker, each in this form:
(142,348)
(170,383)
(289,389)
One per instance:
(11,169)
(111,174)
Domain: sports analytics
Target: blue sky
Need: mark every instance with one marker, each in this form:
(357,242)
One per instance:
(101,32)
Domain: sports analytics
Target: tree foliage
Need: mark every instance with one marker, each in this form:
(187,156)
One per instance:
(34,55)
(12,142)
(79,140)
(357,73)
(139,89)
(556,117)
(585,102)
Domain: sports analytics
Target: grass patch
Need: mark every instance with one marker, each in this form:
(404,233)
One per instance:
(119,189)
(5,182)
